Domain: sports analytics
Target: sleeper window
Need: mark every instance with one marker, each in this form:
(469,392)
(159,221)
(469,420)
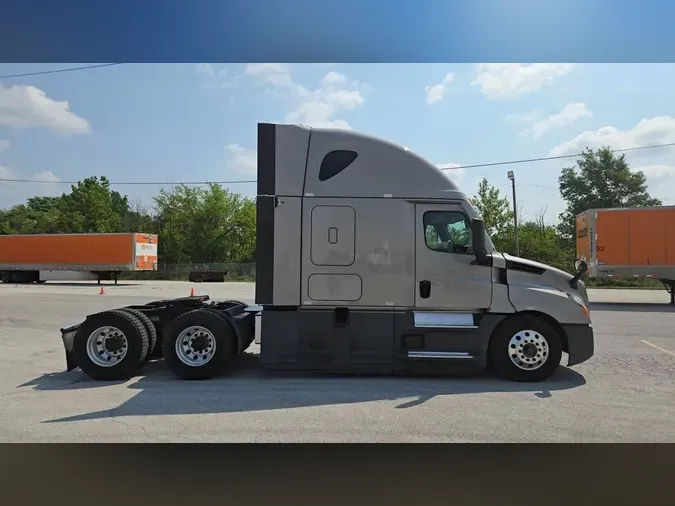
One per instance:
(448,232)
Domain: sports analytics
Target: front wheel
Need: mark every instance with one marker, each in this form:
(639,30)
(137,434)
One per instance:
(525,348)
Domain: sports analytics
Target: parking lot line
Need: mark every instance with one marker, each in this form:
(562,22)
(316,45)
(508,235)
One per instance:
(658,347)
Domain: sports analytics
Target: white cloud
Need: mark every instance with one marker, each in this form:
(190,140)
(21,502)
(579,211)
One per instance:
(242,159)
(24,106)
(314,107)
(571,113)
(47,177)
(659,175)
(436,92)
(318,107)
(658,130)
(508,80)
(453,171)
(526,117)
(277,75)
(16,193)
(5,144)
(210,78)
(333,79)
(205,69)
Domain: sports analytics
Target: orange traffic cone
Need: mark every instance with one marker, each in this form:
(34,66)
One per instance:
(192,292)
(102,291)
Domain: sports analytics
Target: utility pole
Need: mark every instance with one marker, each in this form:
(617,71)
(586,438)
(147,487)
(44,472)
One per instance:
(512,177)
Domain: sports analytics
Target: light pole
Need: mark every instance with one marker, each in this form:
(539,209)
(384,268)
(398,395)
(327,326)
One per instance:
(512,177)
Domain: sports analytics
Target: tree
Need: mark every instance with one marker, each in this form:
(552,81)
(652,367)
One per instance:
(92,207)
(540,242)
(205,225)
(602,180)
(495,211)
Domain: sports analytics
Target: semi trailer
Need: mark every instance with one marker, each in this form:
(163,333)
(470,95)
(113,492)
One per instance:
(634,242)
(369,260)
(36,258)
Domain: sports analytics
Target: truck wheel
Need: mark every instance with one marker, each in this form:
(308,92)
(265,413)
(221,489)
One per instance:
(110,346)
(525,348)
(199,345)
(230,303)
(150,329)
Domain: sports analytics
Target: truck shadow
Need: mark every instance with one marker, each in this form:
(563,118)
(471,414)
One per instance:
(636,307)
(246,389)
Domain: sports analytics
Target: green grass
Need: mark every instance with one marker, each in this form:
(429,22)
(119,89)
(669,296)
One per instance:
(642,284)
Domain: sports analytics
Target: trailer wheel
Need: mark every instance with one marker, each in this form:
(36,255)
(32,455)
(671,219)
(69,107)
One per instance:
(525,348)
(199,344)
(111,345)
(150,329)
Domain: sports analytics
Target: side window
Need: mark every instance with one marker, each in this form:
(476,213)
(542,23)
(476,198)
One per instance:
(447,231)
(335,162)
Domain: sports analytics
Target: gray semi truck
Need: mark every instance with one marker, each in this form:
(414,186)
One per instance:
(370,261)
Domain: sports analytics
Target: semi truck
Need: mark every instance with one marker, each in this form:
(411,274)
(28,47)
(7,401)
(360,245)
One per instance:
(36,258)
(634,242)
(369,260)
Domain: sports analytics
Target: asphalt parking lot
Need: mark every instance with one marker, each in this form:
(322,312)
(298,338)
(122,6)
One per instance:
(625,393)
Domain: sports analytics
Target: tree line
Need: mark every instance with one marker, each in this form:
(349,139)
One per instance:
(201,225)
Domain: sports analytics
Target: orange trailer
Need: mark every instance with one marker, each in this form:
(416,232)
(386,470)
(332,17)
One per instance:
(23,258)
(635,242)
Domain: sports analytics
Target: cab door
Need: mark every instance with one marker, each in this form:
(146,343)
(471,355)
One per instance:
(447,275)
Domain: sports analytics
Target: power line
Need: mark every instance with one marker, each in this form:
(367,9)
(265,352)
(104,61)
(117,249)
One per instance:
(542,159)
(72,69)
(247,181)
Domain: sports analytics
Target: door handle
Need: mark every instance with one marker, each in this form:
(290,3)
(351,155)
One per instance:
(425,289)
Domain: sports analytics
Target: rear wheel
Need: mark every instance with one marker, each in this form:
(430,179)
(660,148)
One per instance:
(149,328)
(199,344)
(525,348)
(230,303)
(110,346)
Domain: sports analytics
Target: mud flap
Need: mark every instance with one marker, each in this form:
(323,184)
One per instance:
(67,335)
(580,341)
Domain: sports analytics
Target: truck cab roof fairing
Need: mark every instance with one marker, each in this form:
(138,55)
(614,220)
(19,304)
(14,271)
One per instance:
(308,162)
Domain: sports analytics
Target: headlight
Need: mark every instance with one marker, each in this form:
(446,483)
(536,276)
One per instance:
(583,305)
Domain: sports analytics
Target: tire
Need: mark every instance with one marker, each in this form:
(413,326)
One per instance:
(149,328)
(231,303)
(525,348)
(105,324)
(206,331)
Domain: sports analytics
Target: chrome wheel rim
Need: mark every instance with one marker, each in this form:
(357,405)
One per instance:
(528,350)
(107,346)
(195,346)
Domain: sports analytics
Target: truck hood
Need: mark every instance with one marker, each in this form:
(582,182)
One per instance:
(547,276)
(537,265)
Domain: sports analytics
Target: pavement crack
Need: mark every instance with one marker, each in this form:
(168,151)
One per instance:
(113,417)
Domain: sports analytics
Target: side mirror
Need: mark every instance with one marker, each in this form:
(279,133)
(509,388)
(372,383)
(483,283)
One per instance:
(478,242)
(581,267)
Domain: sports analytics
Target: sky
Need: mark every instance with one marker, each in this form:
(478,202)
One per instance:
(169,123)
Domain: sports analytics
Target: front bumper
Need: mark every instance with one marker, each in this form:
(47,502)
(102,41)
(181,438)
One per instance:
(68,335)
(580,343)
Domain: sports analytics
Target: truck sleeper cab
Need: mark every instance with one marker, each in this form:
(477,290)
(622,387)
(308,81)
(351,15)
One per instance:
(369,260)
